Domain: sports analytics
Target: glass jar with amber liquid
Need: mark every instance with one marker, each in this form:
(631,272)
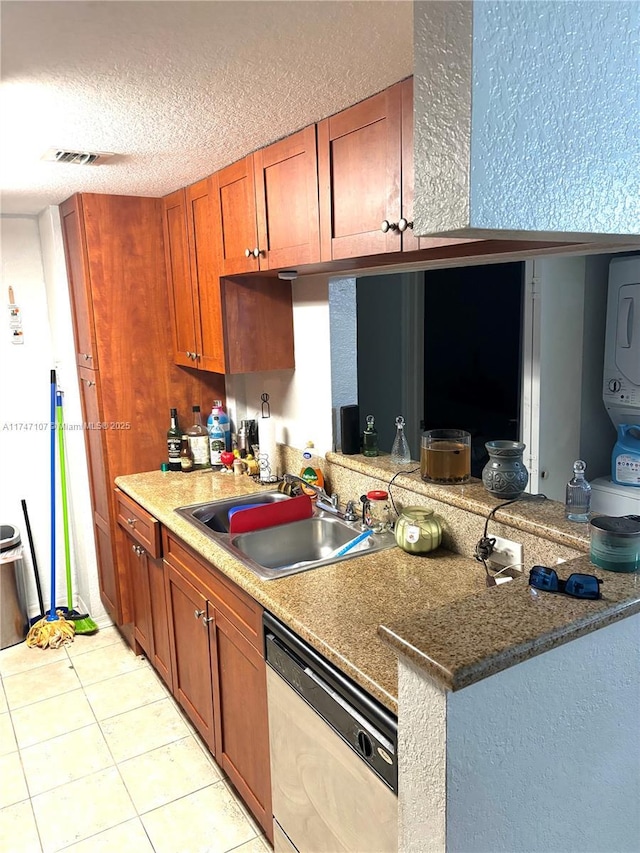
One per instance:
(445,456)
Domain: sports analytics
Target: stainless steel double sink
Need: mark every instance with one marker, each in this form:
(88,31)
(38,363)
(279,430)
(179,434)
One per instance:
(285,549)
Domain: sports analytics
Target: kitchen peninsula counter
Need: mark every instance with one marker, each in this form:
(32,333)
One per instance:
(360,613)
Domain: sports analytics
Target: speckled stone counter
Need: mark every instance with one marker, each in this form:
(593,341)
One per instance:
(435,609)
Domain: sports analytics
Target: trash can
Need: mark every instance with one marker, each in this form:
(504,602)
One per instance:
(14,620)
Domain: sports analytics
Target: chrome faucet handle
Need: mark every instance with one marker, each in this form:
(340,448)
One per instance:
(350,513)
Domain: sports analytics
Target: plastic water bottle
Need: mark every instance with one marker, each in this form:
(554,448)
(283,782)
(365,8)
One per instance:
(216,442)
(578,499)
(224,422)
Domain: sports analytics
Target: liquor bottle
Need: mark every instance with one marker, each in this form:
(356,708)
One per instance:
(370,438)
(216,443)
(174,439)
(186,456)
(199,441)
(578,495)
(224,422)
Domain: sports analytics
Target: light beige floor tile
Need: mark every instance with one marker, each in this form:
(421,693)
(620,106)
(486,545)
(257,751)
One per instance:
(72,812)
(83,643)
(40,683)
(245,811)
(3,699)
(65,758)
(18,832)
(256,845)
(208,820)
(128,837)
(166,773)
(107,662)
(125,692)
(52,717)
(7,737)
(13,787)
(21,658)
(143,729)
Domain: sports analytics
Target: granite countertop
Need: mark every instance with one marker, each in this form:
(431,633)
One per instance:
(360,613)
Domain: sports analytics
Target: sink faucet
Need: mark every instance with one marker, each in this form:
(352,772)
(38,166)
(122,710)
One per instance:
(328,503)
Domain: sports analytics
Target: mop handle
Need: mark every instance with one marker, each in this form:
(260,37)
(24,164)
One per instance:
(63,488)
(52,614)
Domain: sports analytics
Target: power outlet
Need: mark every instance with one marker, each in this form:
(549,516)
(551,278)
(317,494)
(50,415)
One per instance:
(507,553)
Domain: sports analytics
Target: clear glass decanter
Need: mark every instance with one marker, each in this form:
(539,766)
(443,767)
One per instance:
(400,453)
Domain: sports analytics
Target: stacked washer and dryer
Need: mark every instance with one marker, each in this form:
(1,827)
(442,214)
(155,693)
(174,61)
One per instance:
(619,493)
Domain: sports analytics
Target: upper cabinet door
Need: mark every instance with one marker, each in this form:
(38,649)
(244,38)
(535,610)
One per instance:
(286,176)
(72,217)
(205,276)
(235,210)
(181,303)
(359,169)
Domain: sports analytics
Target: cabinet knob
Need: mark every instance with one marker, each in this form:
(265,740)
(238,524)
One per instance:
(131,522)
(87,356)
(195,356)
(248,253)
(388,226)
(137,549)
(207,620)
(198,613)
(403,224)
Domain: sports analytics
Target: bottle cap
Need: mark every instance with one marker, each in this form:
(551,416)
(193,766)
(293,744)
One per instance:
(377,495)
(164,466)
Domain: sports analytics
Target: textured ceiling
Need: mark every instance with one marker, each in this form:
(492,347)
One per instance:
(177,89)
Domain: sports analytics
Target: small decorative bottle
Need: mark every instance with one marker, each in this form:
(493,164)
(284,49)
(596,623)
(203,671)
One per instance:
(578,501)
(186,456)
(370,438)
(400,453)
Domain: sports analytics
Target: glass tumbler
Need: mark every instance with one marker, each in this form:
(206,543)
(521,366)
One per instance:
(445,456)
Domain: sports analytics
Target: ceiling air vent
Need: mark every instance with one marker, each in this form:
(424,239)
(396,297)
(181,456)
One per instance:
(78,158)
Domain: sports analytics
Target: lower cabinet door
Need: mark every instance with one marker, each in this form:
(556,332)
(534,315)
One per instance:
(189,642)
(139,585)
(242,732)
(159,620)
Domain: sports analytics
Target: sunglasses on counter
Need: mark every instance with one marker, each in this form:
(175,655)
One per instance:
(578,586)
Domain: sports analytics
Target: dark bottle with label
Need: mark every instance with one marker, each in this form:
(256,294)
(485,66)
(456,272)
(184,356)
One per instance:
(186,456)
(174,439)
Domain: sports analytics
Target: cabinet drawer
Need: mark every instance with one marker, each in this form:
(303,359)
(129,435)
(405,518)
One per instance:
(139,524)
(239,608)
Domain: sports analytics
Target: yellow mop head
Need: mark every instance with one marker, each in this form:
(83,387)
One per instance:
(52,633)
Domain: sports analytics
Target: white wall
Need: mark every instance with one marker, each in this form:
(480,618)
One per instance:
(544,756)
(25,400)
(300,399)
(33,264)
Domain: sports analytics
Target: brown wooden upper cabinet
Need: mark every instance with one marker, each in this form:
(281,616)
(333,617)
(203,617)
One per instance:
(220,325)
(365,171)
(194,281)
(267,207)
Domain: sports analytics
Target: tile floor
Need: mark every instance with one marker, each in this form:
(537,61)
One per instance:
(95,756)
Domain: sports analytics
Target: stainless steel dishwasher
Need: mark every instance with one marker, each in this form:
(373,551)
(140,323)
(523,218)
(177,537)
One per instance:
(334,772)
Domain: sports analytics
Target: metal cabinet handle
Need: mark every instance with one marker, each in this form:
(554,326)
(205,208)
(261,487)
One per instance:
(388,226)
(87,356)
(137,549)
(403,224)
(195,356)
(198,613)
(132,522)
(252,253)
(248,253)
(207,620)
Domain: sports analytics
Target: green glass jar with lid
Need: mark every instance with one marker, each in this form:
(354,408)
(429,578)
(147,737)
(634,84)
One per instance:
(418,530)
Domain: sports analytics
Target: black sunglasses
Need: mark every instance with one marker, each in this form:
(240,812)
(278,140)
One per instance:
(578,586)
